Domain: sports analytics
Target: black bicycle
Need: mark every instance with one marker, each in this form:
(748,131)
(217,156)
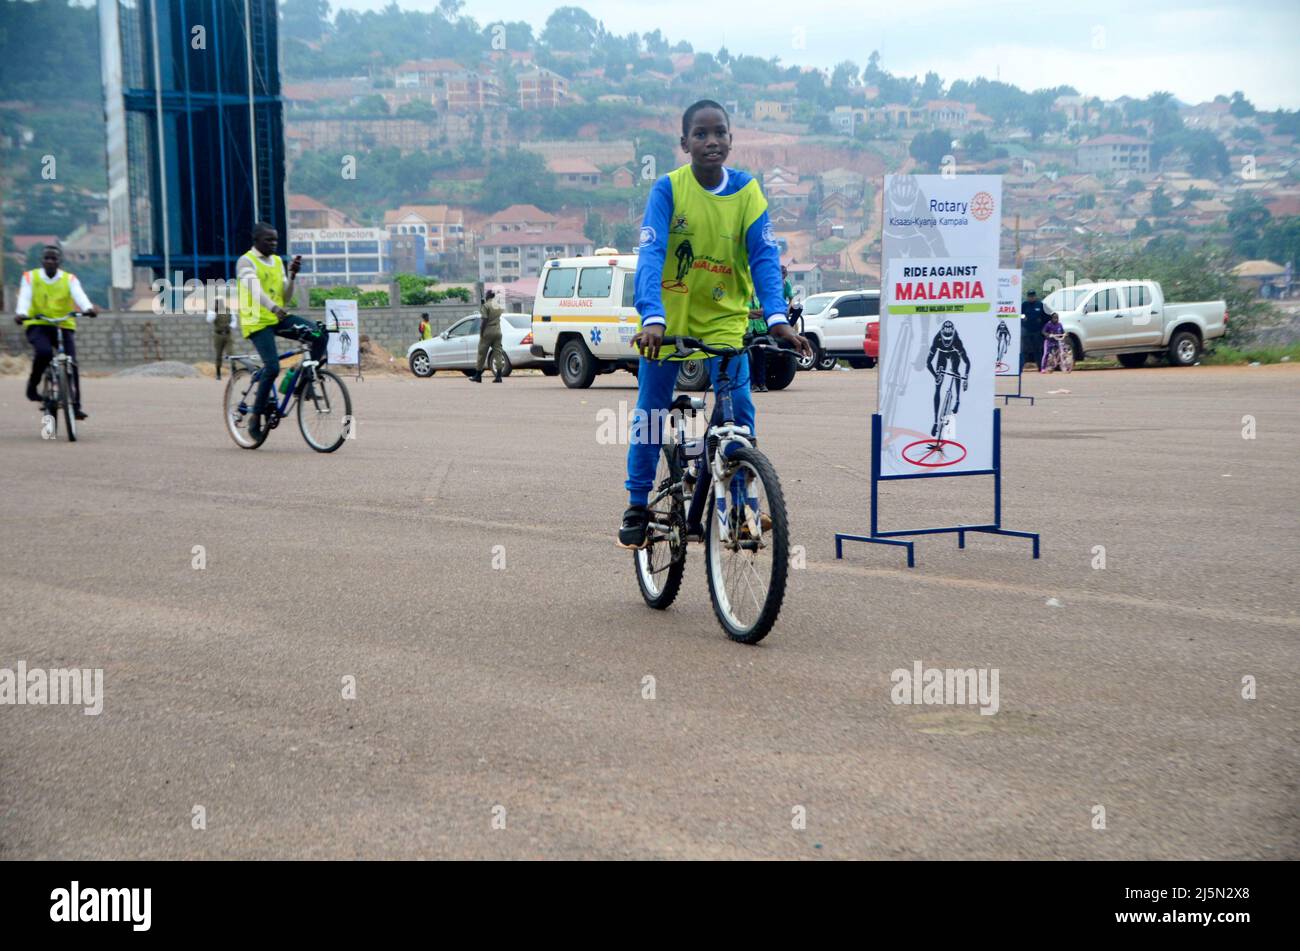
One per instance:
(57,386)
(744,530)
(324,404)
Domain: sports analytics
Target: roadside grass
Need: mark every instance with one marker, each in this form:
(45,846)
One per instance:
(1228,355)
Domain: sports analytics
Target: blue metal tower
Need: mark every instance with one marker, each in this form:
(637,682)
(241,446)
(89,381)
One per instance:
(195,126)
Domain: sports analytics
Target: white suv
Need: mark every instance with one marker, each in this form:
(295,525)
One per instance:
(835,323)
(584,319)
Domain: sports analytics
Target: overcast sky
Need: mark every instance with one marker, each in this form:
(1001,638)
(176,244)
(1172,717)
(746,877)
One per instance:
(1109,48)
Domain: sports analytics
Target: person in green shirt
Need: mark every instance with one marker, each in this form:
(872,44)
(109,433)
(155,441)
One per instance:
(426,328)
(757,358)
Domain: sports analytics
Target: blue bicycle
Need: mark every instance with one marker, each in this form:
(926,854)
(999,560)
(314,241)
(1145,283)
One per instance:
(324,406)
(745,533)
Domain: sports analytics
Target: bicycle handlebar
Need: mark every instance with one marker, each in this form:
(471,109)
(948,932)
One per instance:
(687,345)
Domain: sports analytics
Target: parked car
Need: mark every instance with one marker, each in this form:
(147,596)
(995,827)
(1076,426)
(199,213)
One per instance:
(1131,320)
(584,318)
(456,348)
(835,324)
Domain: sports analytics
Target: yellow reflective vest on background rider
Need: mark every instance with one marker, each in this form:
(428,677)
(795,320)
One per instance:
(252,315)
(51,300)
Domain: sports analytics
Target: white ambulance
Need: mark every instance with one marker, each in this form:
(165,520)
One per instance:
(584,318)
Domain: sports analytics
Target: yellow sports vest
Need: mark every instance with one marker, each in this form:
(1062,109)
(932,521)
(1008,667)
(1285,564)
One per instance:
(706,281)
(52,300)
(427,333)
(252,315)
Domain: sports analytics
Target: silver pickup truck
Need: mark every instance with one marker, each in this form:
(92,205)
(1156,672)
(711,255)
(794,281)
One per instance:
(1131,320)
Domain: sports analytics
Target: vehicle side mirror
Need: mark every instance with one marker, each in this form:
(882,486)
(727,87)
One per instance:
(445,334)
(833,312)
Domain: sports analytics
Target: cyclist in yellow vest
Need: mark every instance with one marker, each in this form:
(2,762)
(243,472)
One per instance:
(263,291)
(706,247)
(49,292)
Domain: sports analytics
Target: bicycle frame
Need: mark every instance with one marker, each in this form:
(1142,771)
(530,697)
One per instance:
(721,435)
(282,408)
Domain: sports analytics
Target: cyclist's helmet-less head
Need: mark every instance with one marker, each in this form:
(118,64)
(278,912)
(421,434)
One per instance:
(947,332)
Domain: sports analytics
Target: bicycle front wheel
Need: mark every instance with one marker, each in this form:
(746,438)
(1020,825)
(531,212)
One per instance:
(324,411)
(241,390)
(661,564)
(747,548)
(65,404)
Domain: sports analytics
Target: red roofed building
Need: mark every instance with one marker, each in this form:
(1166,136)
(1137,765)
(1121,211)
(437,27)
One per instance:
(575,172)
(519,218)
(306,212)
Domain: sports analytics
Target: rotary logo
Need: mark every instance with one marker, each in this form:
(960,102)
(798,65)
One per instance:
(981,206)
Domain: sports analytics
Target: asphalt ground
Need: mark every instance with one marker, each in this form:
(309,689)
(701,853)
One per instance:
(456,558)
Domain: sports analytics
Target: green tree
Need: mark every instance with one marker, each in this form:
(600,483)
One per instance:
(305,20)
(517,177)
(1240,106)
(1161,204)
(571,30)
(929,148)
(844,75)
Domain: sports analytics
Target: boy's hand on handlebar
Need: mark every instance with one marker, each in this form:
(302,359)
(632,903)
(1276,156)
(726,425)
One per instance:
(786,333)
(649,340)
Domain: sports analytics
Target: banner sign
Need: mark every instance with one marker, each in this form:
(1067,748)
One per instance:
(344,346)
(1007,333)
(938,308)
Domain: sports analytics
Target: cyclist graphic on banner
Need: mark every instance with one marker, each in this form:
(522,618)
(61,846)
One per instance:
(948,363)
(939,419)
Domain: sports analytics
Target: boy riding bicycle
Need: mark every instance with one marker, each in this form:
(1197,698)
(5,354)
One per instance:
(707,242)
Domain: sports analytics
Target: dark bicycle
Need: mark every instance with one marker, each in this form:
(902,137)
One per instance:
(324,405)
(746,537)
(57,385)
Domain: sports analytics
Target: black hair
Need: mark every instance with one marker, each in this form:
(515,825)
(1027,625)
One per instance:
(53,247)
(695,107)
(424,315)
(261,227)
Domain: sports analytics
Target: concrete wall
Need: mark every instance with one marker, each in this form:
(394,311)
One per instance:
(125,339)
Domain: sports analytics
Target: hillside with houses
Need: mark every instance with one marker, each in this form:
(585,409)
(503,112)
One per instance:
(430,144)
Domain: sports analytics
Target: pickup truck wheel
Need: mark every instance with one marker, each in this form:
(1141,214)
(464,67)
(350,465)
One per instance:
(826,361)
(1184,349)
(693,375)
(1132,360)
(781,370)
(577,365)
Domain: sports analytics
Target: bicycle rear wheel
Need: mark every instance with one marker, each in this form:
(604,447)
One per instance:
(661,564)
(238,408)
(748,562)
(65,403)
(324,411)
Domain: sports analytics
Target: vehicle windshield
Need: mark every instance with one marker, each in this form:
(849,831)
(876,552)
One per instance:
(817,303)
(1067,298)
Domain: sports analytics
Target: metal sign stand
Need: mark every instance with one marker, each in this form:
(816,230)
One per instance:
(878,537)
(1017,395)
